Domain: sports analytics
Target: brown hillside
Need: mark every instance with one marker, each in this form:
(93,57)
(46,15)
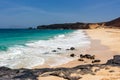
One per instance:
(110,24)
(114,23)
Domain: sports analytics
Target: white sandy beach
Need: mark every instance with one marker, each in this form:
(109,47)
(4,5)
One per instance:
(105,43)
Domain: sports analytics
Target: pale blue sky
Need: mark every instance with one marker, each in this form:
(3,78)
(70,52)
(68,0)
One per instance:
(25,13)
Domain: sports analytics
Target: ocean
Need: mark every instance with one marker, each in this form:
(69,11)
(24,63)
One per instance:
(23,48)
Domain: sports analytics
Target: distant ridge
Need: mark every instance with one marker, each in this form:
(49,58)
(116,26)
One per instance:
(114,23)
(110,24)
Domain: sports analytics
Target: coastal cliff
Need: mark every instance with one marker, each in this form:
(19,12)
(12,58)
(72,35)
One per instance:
(110,24)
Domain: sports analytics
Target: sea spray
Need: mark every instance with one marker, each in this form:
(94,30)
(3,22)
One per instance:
(41,51)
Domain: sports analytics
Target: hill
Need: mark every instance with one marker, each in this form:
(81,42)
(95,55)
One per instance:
(114,23)
(110,24)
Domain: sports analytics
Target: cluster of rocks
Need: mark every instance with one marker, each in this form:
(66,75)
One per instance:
(71,48)
(86,56)
(32,74)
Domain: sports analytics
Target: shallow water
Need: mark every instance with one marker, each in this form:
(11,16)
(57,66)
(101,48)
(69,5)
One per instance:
(29,48)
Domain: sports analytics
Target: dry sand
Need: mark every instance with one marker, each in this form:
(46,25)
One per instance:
(105,43)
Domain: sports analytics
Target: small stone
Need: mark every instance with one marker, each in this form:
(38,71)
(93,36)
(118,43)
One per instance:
(72,55)
(111,71)
(54,50)
(92,57)
(72,48)
(95,61)
(96,70)
(80,59)
(107,68)
(59,48)
(82,56)
(87,56)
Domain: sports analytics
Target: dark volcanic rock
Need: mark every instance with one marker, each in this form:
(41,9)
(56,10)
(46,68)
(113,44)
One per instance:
(88,56)
(72,55)
(80,59)
(54,50)
(72,48)
(32,74)
(114,61)
(59,48)
(96,61)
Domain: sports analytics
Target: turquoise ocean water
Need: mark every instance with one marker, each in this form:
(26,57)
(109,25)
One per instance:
(12,37)
(22,48)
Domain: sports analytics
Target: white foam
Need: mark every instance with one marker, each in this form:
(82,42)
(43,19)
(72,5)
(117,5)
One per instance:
(39,52)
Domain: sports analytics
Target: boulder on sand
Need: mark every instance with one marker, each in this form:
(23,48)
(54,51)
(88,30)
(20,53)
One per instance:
(114,61)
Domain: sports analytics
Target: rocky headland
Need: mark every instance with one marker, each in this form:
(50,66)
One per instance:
(79,25)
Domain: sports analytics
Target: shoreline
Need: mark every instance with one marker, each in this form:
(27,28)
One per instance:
(82,48)
(104,45)
(98,47)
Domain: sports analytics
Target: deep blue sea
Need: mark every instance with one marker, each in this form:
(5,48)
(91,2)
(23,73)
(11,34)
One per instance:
(23,48)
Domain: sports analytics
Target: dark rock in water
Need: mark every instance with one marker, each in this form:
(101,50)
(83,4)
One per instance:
(72,55)
(59,48)
(114,61)
(72,48)
(54,50)
(96,61)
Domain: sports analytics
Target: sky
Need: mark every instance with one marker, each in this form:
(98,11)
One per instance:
(31,13)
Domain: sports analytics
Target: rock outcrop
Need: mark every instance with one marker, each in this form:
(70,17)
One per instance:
(115,61)
(32,74)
